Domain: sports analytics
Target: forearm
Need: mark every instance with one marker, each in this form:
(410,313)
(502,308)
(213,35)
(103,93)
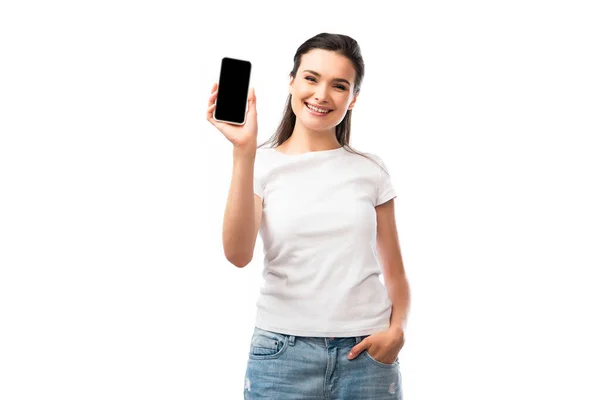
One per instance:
(399,294)
(238,221)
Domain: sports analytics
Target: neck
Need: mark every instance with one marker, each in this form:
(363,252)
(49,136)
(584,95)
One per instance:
(304,139)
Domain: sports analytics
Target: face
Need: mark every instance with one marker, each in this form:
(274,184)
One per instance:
(322,88)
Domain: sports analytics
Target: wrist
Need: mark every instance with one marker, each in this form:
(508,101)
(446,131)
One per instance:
(397,329)
(245,151)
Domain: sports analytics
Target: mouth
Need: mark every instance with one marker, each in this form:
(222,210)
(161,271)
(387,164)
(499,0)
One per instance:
(312,111)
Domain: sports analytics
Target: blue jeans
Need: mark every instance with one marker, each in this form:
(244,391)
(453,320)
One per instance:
(286,367)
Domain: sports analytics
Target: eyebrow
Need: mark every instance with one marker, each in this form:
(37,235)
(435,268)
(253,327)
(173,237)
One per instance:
(319,75)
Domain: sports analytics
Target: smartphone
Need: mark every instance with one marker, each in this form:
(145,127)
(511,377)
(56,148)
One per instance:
(232,97)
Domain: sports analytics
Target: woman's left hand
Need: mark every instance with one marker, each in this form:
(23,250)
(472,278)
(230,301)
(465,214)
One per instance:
(384,346)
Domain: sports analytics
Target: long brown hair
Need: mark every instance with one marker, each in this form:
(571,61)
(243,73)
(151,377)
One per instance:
(345,46)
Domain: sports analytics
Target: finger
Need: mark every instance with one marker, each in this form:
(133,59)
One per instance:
(213,96)
(211,104)
(356,350)
(209,113)
(212,120)
(252,101)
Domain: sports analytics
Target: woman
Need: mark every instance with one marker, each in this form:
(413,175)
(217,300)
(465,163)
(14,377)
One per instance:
(326,327)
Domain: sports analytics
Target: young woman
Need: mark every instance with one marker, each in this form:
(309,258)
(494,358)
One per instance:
(326,327)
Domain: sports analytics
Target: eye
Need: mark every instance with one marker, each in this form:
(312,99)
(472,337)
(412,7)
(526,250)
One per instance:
(310,78)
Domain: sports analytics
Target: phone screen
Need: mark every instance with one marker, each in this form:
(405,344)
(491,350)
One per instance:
(232,96)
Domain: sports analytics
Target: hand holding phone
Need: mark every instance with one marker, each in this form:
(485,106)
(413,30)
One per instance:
(238,135)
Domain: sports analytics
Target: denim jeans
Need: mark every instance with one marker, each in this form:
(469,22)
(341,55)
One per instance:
(286,367)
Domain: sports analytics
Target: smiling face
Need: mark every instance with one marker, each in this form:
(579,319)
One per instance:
(325,79)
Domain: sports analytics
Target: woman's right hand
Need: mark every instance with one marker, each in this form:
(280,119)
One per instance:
(241,136)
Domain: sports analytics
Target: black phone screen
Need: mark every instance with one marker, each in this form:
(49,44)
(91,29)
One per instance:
(232,96)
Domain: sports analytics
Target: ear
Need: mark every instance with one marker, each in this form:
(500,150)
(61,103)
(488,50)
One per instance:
(291,83)
(351,105)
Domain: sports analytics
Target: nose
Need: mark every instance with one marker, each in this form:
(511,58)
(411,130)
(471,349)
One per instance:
(320,93)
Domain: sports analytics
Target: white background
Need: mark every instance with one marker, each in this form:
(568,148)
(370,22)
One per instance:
(113,282)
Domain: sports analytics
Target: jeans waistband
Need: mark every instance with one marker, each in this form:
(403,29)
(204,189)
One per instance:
(327,341)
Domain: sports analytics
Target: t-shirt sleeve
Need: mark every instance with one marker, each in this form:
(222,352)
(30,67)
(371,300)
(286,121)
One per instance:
(258,175)
(258,185)
(385,187)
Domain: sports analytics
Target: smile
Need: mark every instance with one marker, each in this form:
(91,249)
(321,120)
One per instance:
(313,110)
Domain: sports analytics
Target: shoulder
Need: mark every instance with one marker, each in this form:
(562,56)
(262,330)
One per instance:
(264,161)
(369,154)
(369,160)
(374,156)
(262,154)
(263,150)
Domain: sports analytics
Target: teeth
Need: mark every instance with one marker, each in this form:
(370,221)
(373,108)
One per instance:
(317,109)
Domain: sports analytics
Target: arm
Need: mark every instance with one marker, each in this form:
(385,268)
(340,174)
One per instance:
(239,227)
(388,248)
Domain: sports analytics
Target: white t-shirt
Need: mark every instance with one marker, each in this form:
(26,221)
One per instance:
(321,271)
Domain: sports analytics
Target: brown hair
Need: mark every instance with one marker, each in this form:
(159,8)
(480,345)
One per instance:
(345,46)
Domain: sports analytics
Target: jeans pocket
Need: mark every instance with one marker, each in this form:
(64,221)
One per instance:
(379,363)
(267,344)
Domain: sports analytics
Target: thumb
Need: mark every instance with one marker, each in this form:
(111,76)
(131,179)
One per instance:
(356,350)
(252,101)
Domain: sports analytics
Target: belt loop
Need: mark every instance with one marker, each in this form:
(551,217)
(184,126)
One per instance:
(292,339)
(357,338)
